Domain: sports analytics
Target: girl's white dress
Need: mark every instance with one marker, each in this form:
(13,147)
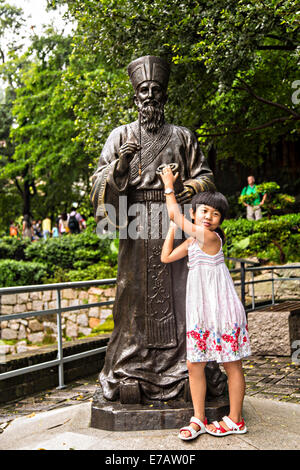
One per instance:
(215,317)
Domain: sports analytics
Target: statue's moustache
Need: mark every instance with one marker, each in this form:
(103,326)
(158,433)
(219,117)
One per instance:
(147,103)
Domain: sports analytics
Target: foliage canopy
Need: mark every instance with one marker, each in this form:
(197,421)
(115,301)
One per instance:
(234,65)
(233,82)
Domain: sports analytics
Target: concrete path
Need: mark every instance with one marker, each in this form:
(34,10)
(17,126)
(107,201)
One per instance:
(60,419)
(272,425)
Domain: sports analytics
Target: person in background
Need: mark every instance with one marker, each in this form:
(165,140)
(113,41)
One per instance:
(27,230)
(36,226)
(13,229)
(75,221)
(83,223)
(55,233)
(253,209)
(63,224)
(38,229)
(34,237)
(46,226)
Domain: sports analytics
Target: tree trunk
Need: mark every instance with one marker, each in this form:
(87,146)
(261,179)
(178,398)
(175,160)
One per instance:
(26,198)
(282,255)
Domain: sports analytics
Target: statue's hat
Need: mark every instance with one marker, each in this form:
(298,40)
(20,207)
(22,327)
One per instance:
(149,67)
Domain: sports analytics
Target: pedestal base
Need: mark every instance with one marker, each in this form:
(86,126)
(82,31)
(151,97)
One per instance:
(173,414)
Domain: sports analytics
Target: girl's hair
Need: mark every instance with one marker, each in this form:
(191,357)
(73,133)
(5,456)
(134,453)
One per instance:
(213,199)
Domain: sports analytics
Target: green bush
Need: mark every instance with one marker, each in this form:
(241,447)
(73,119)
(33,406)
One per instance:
(84,256)
(95,271)
(13,248)
(71,251)
(274,240)
(20,273)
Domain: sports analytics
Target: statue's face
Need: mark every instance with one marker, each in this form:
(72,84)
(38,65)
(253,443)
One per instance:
(150,92)
(150,99)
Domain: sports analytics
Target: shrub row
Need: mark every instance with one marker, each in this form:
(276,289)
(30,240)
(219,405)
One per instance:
(86,256)
(275,240)
(20,273)
(78,257)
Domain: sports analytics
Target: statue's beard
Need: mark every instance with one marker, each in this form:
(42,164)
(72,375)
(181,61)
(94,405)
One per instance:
(152,116)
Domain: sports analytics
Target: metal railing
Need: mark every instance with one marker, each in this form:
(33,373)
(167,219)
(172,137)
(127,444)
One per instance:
(242,272)
(272,280)
(256,267)
(59,310)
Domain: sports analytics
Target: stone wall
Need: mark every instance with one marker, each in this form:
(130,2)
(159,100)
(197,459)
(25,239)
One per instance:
(43,329)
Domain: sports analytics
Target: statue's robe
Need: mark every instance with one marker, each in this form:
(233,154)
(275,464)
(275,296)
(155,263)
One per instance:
(148,343)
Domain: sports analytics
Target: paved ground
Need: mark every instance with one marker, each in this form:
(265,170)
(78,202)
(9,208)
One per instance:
(59,419)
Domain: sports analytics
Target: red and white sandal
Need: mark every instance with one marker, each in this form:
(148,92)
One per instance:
(192,431)
(234,428)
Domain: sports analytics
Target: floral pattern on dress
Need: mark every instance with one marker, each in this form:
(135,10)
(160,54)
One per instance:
(206,344)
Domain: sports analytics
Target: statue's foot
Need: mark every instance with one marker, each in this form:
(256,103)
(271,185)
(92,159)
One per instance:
(130,392)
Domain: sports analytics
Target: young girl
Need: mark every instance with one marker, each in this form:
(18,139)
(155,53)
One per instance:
(215,317)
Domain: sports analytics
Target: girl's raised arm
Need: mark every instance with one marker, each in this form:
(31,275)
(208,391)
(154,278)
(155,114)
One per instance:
(168,254)
(174,210)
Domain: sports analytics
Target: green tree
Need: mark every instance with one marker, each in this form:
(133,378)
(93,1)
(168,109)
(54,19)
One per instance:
(234,63)
(11,21)
(49,166)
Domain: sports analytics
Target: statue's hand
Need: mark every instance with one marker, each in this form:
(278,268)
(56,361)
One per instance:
(126,154)
(185,196)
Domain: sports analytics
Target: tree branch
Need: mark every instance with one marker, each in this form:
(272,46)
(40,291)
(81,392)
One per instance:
(19,187)
(2,55)
(264,100)
(277,47)
(251,129)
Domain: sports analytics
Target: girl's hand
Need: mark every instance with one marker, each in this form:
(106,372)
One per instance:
(173,225)
(168,177)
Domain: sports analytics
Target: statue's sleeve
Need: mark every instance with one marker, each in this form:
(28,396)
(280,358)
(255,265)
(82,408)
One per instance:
(106,185)
(200,176)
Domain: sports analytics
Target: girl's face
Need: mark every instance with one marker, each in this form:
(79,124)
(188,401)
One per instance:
(206,216)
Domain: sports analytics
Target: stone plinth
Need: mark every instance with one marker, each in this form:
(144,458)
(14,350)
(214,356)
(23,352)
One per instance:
(272,330)
(173,414)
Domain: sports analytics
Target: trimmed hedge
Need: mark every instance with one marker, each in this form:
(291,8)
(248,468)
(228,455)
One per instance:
(86,256)
(20,273)
(80,257)
(70,251)
(13,248)
(275,240)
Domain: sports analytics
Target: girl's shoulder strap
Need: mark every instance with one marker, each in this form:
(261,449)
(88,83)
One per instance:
(219,238)
(191,241)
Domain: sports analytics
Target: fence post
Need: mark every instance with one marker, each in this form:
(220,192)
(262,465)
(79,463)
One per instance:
(253,294)
(273,296)
(243,283)
(61,383)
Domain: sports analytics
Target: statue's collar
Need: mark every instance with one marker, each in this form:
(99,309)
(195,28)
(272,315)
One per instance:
(152,145)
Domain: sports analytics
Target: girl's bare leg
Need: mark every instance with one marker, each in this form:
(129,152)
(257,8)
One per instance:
(197,381)
(236,389)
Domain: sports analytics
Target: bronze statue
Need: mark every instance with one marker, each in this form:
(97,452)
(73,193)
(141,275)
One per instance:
(146,352)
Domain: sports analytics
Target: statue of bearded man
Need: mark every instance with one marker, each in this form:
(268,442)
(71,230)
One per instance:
(147,349)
